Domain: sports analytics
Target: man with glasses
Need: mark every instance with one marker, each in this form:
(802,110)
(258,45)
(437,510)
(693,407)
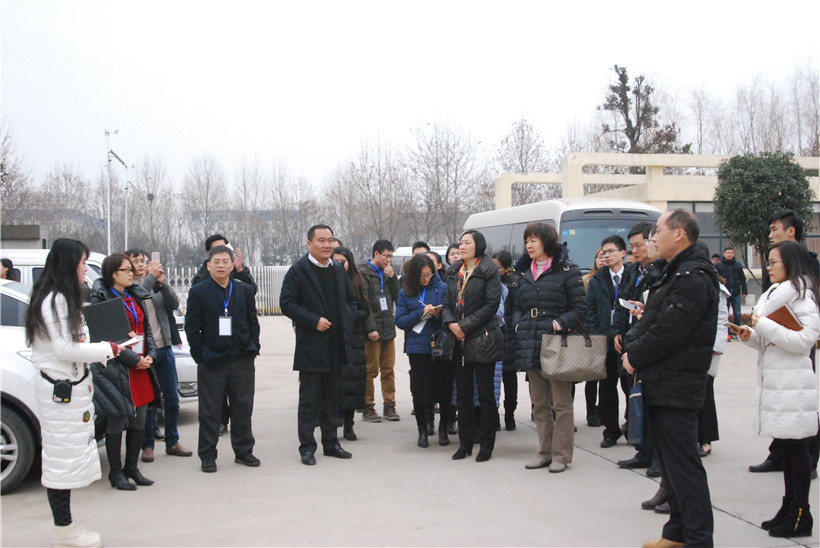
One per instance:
(382,288)
(605,287)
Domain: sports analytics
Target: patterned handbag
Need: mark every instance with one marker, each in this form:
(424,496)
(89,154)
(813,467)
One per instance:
(573,357)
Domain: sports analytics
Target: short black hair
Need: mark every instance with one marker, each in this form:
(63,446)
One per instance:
(110,265)
(789,218)
(314,228)
(419,244)
(135,252)
(614,239)
(644,228)
(727,248)
(503,257)
(682,218)
(381,246)
(220,249)
(548,236)
(715,256)
(209,241)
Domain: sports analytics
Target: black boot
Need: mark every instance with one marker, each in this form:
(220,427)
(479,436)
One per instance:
(779,516)
(797,523)
(113,450)
(423,437)
(430,420)
(659,498)
(509,415)
(443,438)
(349,434)
(133,443)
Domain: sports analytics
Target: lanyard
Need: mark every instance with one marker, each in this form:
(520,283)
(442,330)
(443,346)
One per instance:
(423,293)
(226,301)
(380,273)
(132,308)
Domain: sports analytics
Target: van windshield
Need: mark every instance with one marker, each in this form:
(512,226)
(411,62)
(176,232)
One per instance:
(583,237)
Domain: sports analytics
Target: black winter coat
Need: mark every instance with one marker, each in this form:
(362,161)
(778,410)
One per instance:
(303,301)
(112,386)
(511,281)
(671,347)
(735,278)
(482,297)
(601,301)
(557,294)
(354,371)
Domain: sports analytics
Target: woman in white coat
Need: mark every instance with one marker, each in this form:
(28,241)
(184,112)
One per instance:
(786,399)
(61,353)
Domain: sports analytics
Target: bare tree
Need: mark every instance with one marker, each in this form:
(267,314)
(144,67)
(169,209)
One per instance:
(250,206)
(522,150)
(204,192)
(294,210)
(15,179)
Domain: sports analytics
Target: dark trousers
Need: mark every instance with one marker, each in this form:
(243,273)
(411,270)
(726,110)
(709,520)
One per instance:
(318,402)
(234,377)
(510,381)
(484,374)
(608,387)
(796,471)
(674,433)
(707,417)
(165,367)
(431,382)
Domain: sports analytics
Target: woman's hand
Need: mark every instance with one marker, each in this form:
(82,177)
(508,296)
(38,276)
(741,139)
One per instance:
(457,331)
(432,310)
(745,333)
(144,363)
(755,318)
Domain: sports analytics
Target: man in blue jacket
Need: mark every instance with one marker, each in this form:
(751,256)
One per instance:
(223,331)
(318,296)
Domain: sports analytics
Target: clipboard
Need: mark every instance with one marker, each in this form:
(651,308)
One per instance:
(107,321)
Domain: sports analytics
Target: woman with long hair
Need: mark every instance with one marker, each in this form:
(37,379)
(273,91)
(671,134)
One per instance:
(549,299)
(469,312)
(122,392)
(597,262)
(786,398)
(422,296)
(354,373)
(61,353)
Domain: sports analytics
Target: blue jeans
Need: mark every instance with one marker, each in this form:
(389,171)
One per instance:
(166,369)
(733,304)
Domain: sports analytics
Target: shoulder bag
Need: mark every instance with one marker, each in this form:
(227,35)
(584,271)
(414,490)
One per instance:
(442,344)
(573,357)
(634,421)
(486,346)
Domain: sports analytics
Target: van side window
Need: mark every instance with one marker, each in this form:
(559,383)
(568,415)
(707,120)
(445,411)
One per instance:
(35,273)
(12,311)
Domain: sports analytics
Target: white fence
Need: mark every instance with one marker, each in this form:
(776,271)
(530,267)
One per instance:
(268,278)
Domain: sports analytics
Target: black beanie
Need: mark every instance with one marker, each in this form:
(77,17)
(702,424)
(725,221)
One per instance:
(480,242)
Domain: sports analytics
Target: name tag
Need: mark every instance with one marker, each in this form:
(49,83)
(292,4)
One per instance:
(224,326)
(383,303)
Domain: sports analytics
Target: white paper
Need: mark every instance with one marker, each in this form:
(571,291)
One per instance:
(139,345)
(419,326)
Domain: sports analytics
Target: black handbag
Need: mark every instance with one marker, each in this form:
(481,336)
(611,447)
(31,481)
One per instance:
(486,346)
(634,422)
(442,344)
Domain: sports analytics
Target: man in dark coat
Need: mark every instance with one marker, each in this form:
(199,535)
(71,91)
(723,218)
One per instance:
(732,270)
(671,349)
(223,331)
(318,296)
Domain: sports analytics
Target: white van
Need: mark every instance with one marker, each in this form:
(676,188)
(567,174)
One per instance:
(29,263)
(402,254)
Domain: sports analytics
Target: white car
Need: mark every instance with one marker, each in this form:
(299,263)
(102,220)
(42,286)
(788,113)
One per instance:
(19,425)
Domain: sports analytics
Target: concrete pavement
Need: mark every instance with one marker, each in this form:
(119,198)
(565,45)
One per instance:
(393,493)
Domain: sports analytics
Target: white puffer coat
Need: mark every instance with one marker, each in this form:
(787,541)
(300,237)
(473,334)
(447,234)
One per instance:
(786,398)
(70,455)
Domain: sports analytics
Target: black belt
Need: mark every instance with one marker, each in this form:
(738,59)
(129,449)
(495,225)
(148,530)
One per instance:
(52,381)
(536,313)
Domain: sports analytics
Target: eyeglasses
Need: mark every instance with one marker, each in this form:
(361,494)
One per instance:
(125,270)
(609,251)
(770,264)
(426,276)
(386,256)
(659,230)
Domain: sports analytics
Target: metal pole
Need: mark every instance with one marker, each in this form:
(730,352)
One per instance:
(108,192)
(126,208)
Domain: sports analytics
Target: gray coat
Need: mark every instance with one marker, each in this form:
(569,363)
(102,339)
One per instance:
(165,301)
(382,321)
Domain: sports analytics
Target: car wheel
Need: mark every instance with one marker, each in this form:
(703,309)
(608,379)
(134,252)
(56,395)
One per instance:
(17,447)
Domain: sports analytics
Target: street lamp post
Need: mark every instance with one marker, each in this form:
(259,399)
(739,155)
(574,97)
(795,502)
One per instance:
(127,184)
(108,187)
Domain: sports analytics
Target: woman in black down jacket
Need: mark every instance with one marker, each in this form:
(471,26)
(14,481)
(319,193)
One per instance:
(470,306)
(550,298)
(354,373)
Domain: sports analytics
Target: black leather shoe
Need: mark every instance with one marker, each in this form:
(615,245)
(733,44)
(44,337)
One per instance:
(659,497)
(609,441)
(248,460)
(653,471)
(337,451)
(766,466)
(209,465)
(633,463)
(308,459)
(423,441)
(663,508)
(462,453)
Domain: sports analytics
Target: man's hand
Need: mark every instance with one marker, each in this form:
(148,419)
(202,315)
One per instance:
(388,271)
(145,362)
(373,336)
(457,331)
(618,341)
(237,261)
(627,365)
(155,268)
(323,325)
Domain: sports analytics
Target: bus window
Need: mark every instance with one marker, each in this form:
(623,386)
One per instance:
(583,237)
(498,238)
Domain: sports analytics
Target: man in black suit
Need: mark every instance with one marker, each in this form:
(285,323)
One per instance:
(318,296)
(223,331)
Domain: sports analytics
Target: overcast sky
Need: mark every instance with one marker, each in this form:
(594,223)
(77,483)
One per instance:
(310,82)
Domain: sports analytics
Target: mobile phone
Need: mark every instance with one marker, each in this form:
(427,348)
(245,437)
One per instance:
(155,256)
(734,328)
(626,304)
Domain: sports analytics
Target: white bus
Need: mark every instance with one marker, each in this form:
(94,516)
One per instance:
(581,224)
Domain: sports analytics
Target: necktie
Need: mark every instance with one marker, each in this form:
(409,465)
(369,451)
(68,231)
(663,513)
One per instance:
(617,281)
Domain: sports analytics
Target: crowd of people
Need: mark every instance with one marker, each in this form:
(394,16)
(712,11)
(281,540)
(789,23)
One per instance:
(471,321)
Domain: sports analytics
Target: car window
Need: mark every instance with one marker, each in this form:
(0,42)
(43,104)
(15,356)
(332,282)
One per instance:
(35,273)
(12,311)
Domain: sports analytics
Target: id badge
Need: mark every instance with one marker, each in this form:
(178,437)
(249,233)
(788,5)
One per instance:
(383,303)
(224,326)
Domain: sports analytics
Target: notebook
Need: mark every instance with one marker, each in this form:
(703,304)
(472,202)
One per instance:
(107,321)
(786,317)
